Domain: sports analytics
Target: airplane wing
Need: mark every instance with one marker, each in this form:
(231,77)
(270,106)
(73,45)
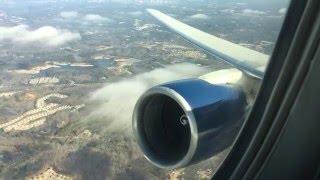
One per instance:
(249,61)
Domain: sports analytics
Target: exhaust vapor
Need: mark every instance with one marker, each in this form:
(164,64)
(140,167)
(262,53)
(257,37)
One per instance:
(116,101)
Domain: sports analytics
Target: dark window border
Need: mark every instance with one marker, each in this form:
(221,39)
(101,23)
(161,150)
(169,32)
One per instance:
(283,64)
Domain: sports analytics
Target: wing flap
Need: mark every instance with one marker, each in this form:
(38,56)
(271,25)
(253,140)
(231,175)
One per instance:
(245,59)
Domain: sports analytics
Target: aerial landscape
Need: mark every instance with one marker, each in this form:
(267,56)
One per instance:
(71,72)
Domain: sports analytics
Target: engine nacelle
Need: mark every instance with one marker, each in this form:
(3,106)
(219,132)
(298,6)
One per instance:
(177,124)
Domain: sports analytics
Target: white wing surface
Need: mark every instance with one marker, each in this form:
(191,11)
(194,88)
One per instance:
(249,61)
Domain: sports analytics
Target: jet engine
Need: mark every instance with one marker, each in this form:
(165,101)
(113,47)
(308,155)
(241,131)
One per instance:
(179,123)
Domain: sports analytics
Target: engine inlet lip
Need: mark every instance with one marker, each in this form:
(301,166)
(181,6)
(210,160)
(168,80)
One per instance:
(191,120)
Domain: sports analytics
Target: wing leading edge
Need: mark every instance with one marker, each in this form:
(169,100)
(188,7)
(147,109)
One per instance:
(247,60)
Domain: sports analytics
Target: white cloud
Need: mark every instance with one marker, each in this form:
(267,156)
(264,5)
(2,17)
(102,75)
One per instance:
(252,12)
(46,35)
(282,10)
(95,18)
(241,4)
(69,14)
(199,16)
(231,11)
(3,14)
(135,13)
(116,100)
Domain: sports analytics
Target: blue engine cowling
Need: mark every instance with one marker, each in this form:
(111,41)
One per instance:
(183,122)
